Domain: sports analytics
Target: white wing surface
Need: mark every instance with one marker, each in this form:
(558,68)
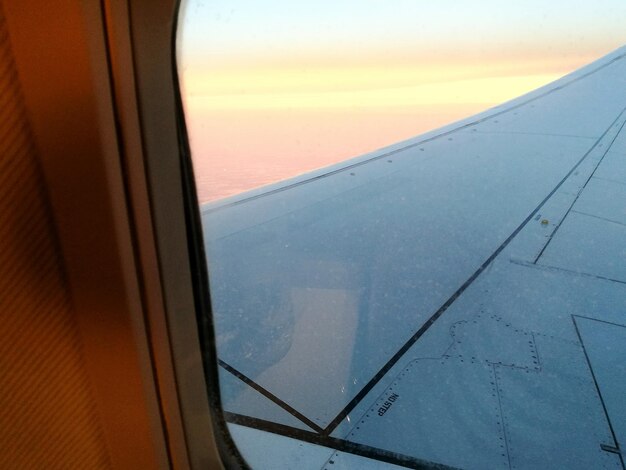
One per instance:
(458,299)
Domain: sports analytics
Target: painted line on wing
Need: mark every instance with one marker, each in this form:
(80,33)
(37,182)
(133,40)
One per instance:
(270,396)
(341,445)
(595,381)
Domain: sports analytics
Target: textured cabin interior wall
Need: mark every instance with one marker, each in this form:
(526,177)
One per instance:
(48,417)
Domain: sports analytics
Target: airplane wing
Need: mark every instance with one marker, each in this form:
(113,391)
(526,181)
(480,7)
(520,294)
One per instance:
(454,300)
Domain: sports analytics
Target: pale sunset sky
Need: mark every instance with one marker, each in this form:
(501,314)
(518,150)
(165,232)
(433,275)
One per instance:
(273,89)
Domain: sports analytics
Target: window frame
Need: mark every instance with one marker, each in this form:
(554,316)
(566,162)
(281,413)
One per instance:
(141,38)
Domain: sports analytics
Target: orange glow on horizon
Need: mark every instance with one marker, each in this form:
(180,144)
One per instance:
(217,81)
(488,90)
(255,125)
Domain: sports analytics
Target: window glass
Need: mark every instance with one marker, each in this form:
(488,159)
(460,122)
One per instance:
(414,224)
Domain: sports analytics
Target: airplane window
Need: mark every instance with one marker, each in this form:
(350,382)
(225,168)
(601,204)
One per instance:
(414,217)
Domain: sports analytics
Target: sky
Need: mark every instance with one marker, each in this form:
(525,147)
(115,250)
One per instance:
(273,89)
